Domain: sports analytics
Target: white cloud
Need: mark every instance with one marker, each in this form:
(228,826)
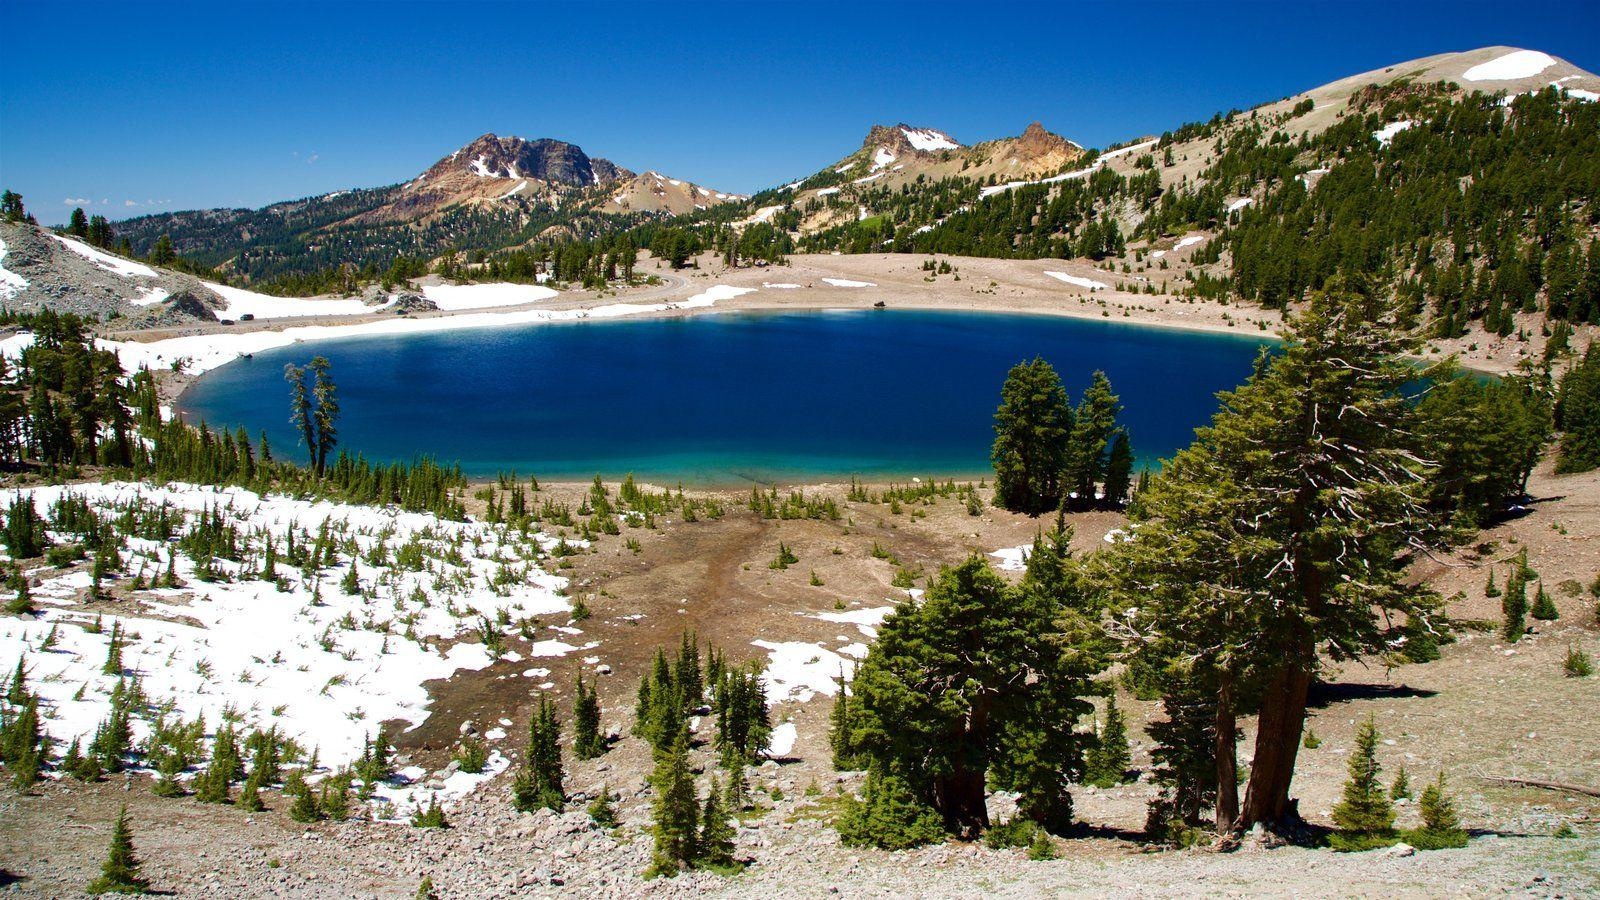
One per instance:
(129,203)
(77,201)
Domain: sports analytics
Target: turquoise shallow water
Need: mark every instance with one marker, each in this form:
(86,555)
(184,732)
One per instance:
(728,397)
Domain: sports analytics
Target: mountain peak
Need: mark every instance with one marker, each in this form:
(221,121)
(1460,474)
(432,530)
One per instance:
(511,157)
(903,138)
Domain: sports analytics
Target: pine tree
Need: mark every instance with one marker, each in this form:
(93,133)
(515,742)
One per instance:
(1544,609)
(1514,606)
(1032,426)
(432,817)
(1107,761)
(888,816)
(119,874)
(539,784)
(304,807)
(1278,532)
(1401,788)
(600,809)
(1490,590)
(714,847)
(1093,425)
(840,728)
(1441,827)
(1365,816)
(675,811)
(22,745)
(737,795)
(1577,663)
(1119,470)
(587,742)
(956,698)
(250,795)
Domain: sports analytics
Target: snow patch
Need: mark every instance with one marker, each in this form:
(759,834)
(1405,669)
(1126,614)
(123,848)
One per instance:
(927,141)
(485,296)
(847,283)
(781,742)
(11,284)
(115,264)
(323,666)
(150,296)
(264,306)
(798,671)
(1514,65)
(1012,559)
(1077,281)
(1386,134)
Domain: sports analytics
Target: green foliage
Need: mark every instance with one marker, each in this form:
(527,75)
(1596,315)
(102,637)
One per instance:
(743,727)
(1401,788)
(1043,847)
(471,755)
(432,817)
(1107,761)
(1032,427)
(784,559)
(676,814)
(1365,814)
(714,846)
(119,874)
(600,809)
(1577,663)
(1544,608)
(539,784)
(1514,604)
(1441,827)
(1484,438)
(1577,410)
(587,741)
(958,693)
(888,816)
(1217,569)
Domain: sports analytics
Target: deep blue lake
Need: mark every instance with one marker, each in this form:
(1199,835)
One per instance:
(728,397)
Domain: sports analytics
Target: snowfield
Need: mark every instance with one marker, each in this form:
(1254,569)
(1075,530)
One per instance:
(847,283)
(11,284)
(196,354)
(927,141)
(127,268)
(323,666)
(797,671)
(1386,134)
(265,306)
(485,296)
(1078,281)
(1512,66)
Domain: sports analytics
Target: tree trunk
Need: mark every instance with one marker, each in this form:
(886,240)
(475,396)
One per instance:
(1283,715)
(959,797)
(1227,810)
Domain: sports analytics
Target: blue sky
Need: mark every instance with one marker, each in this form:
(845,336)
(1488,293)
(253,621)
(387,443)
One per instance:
(127,108)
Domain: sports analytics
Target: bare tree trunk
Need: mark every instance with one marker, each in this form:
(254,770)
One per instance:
(1227,810)
(959,797)
(1283,715)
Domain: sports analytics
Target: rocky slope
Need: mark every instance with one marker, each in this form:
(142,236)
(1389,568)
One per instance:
(42,270)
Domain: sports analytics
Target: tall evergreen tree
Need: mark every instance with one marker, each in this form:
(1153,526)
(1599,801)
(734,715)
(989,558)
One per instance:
(587,741)
(959,693)
(1282,534)
(1031,428)
(540,783)
(1093,426)
(1366,815)
(676,812)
